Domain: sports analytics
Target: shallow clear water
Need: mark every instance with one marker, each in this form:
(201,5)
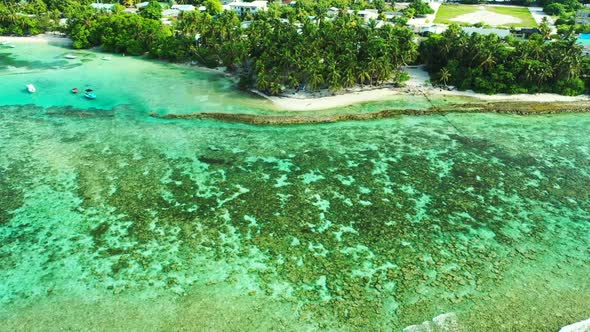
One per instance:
(113,219)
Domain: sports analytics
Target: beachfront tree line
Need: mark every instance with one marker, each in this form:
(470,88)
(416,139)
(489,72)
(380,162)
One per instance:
(270,54)
(26,18)
(285,48)
(492,65)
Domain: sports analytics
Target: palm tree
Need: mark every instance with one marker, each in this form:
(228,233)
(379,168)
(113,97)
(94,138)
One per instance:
(316,80)
(364,75)
(488,61)
(444,75)
(349,77)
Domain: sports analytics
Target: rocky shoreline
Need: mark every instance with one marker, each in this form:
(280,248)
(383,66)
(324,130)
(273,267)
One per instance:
(517,108)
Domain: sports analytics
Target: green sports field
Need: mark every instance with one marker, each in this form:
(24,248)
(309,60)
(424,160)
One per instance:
(496,16)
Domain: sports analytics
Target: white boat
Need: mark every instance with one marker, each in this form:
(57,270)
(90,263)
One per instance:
(106,58)
(4,43)
(11,46)
(31,88)
(69,56)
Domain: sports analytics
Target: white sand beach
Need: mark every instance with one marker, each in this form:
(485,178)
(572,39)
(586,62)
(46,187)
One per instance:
(301,103)
(418,84)
(43,38)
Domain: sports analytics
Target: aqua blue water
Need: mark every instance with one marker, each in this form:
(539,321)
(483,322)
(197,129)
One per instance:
(115,220)
(584,39)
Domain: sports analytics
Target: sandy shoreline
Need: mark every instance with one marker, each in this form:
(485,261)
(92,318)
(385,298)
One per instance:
(417,85)
(43,38)
(300,103)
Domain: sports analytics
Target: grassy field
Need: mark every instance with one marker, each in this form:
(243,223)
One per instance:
(447,12)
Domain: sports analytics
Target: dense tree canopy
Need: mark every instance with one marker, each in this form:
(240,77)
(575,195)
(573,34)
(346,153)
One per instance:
(420,8)
(560,7)
(28,18)
(492,65)
(153,10)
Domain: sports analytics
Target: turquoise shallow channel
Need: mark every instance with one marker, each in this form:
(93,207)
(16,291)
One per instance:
(113,220)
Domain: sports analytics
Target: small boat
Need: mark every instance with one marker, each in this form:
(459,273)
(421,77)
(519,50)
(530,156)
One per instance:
(107,58)
(31,88)
(69,56)
(90,95)
(5,43)
(88,90)
(75,90)
(11,46)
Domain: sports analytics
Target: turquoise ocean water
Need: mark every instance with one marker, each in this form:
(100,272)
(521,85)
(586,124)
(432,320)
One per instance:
(110,219)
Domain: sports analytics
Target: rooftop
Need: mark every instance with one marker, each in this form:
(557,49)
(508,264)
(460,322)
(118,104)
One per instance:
(105,6)
(487,31)
(253,4)
(184,8)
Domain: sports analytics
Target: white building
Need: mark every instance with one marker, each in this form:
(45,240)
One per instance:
(368,14)
(102,6)
(170,13)
(430,29)
(242,8)
(502,33)
(391,15)
(333,11)
(184,8)
(583,16)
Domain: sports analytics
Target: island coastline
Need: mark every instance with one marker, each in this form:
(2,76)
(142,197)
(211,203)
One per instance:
(304,101)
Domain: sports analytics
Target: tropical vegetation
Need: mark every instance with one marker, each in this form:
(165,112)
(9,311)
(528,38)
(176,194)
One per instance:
(271,53)
(308,46)
(492,65)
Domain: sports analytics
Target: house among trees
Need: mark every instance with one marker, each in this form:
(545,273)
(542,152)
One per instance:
(583,16)
(170,13)
(391,15)
(428,30)
(102,6)
(184,8)
(333,11)
(142,4)
(368,14)
(242,8)
(502,33)
(525,32)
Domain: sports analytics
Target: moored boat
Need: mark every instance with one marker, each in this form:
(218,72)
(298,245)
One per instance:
(90,95)
(70,56)
(31,88)
(75,90)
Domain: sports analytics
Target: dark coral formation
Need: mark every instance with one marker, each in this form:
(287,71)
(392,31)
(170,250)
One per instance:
(519,108)
(374,224)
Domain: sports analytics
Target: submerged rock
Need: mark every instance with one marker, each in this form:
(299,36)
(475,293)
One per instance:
(424,327)
(445,323)
(582,326)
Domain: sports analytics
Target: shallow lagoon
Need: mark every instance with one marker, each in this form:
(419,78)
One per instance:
(117,218)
